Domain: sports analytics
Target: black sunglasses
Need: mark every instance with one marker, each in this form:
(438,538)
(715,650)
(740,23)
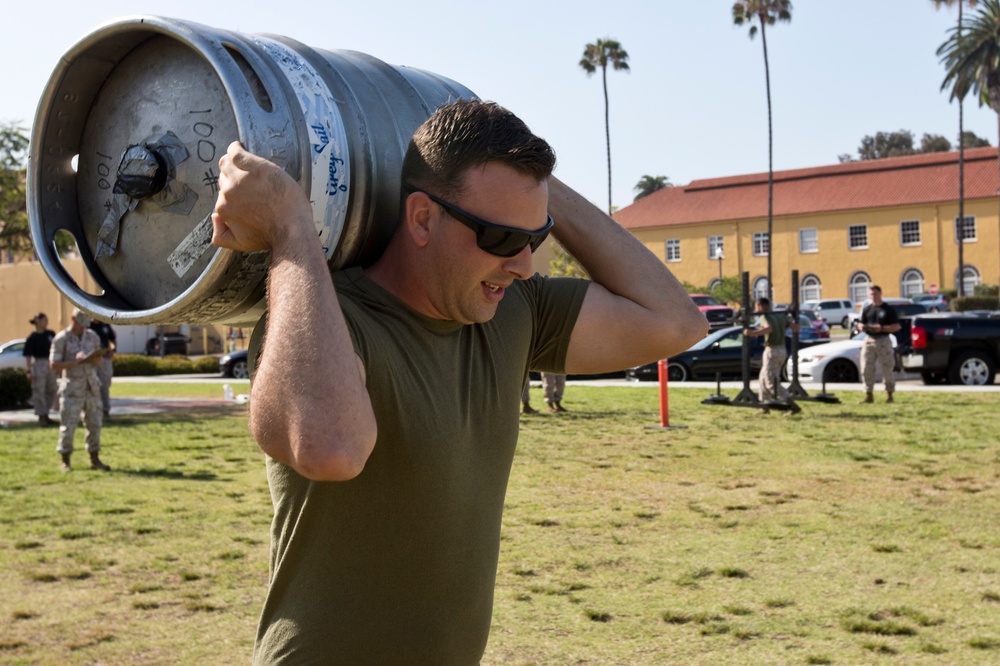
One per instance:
(496,239)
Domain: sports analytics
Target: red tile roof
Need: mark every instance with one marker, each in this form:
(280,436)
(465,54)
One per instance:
(897,181)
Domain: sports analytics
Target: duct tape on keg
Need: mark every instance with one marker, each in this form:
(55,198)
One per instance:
(330,160)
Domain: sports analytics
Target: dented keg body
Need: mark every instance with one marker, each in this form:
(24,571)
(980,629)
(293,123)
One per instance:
(125,148)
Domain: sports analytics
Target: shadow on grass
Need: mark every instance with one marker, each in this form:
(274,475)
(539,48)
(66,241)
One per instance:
(172,474)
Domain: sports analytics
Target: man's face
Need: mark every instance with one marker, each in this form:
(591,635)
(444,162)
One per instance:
(875,295)
(467,283)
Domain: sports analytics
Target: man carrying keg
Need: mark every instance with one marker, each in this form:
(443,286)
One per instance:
(390,444)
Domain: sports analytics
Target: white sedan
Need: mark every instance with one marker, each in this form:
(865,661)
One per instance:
(12,354)
(833,362)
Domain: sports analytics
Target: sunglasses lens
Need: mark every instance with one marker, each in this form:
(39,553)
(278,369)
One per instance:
(501,242)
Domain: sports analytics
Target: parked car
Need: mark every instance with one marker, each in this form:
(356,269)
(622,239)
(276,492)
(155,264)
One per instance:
(957,348)
(717,314)
(833,310)
(933,303)
(904,307)
(833,362)
(12,354)
(719,352)
(174,343)
(813,329)
(234,364)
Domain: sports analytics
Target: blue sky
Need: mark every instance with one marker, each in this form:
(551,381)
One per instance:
(693,105)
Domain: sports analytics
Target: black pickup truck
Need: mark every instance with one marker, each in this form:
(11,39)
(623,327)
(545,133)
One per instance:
(957,348)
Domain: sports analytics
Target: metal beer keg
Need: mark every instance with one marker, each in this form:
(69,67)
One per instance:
(125,148)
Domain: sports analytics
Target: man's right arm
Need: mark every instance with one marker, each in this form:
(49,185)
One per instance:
(309,407)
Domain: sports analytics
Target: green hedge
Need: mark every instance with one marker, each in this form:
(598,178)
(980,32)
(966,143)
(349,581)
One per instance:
(15,389)
(136,365)
(975,303)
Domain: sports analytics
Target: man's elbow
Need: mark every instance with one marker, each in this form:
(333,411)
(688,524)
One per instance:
(338,454)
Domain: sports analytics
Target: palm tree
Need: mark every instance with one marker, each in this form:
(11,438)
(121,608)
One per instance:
(602,53)
(766,12)
(961,148)
(649,184)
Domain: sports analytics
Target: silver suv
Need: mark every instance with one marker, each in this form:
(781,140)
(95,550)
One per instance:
(834,310)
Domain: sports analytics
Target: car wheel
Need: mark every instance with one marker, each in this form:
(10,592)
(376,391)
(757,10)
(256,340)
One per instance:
(845,322)
(972,368)
(240,370)
(840,371)
(676,372)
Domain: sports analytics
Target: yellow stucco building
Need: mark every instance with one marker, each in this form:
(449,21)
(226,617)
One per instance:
(891,222)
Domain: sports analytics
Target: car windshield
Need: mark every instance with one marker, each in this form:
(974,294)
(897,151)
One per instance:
(704,300)
(726,338)
(810,315)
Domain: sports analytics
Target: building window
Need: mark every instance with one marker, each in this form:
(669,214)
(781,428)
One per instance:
(857,236)
(909,232)
(858,287)
(969,230)
(810,289)
(715,249)
(714,284)
(970,278)
(761,244)
(760,288)
(808,241)
(673,249)
(912,283)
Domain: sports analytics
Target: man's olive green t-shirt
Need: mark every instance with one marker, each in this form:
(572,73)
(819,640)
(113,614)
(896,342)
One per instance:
(398,565)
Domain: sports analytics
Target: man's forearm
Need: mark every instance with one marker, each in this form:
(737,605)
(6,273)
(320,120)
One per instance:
(309,406)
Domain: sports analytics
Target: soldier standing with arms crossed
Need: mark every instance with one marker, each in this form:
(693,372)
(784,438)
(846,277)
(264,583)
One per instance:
(43,378)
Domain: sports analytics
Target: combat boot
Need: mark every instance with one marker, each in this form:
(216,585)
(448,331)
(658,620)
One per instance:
(65,462)
(888,398)
(95,463)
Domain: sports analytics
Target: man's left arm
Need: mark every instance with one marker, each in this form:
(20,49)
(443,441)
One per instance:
(635,311)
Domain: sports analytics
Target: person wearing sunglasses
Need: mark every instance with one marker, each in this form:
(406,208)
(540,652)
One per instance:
(390,444)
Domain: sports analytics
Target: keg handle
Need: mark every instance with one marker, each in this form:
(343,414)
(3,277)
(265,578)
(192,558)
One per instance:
(146,171)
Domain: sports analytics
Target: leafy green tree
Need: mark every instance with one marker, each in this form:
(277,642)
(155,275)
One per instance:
(563,264)
(649,184)
(15,236)
(972,63)
(970,140)
(602,53)
(934,143)
(886,144)
(765,12)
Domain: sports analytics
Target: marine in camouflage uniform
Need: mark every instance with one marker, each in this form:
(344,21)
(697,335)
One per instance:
(81,387)
(878,320)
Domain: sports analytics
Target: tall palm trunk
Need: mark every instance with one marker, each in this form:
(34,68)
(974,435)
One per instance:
(961,183)
(770,165)
(607,130)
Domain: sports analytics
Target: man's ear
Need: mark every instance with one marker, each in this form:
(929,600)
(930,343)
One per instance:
(417,218)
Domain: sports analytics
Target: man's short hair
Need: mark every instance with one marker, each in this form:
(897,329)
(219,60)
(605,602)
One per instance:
(468,133)
(764,302)
(875,287)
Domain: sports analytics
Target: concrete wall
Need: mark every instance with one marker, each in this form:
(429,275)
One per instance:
(25,290)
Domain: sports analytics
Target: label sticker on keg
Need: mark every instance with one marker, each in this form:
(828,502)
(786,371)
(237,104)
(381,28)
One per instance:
(192,247)
(329,187)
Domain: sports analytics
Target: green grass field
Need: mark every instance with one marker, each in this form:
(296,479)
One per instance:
(851,534)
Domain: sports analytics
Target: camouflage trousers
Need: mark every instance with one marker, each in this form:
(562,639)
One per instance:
(70,407)
(770,374)
(105,371)
(878,350)
(44,386)
(553,386)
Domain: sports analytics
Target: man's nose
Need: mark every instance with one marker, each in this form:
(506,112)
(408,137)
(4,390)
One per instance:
(520,264)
